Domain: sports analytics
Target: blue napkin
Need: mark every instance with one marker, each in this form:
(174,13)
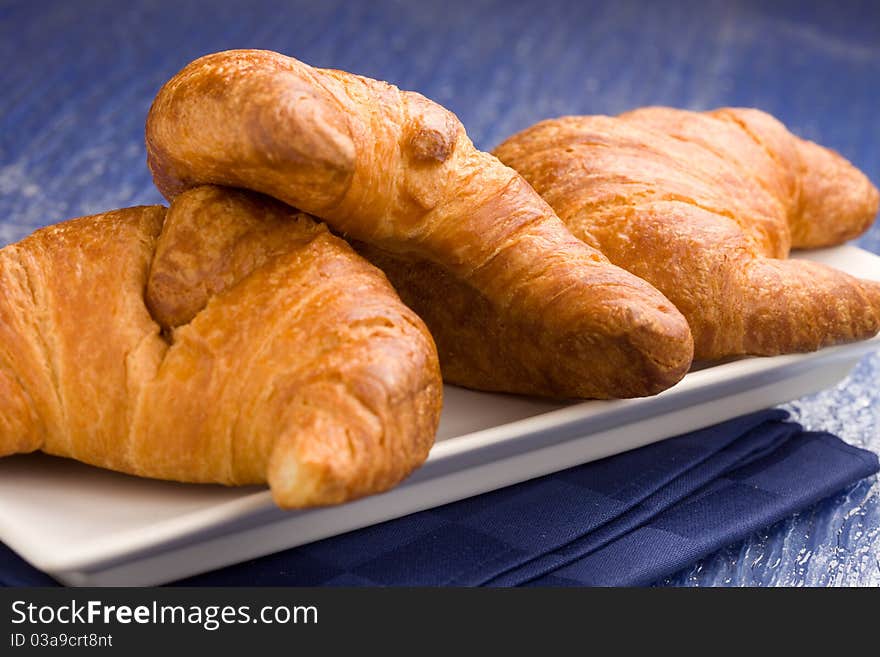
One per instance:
(626,520)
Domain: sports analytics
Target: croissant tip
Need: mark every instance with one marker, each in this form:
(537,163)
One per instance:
(296,484)
(872,290)
(676,362)
(666,349)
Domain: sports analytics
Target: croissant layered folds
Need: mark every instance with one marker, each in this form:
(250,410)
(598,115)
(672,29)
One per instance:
(706,206)
(229,340)
(233,339)
(513,299)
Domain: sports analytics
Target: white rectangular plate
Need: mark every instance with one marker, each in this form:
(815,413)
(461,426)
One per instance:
(87,526)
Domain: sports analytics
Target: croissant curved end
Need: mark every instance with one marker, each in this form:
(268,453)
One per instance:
(872,291)
(666,347)
(297,484)
(295,356)
(838,202)
(271,114)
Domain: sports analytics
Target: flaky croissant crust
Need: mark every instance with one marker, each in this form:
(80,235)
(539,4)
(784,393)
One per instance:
(232,341)
(706,206)
(514,301)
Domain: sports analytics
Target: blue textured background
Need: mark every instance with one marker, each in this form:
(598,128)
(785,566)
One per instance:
(78,77)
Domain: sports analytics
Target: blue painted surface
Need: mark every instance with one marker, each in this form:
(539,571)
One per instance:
(78,78)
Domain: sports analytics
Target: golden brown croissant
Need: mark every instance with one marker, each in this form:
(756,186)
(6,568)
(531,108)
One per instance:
(266,350)
(515,302)
(706,206)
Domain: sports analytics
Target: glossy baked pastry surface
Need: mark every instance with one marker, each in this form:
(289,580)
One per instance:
(515,302)
(706,207)
(232,341)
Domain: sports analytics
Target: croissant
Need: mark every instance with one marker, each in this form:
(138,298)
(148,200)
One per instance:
(706,206)
(515,302)
(229,340)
